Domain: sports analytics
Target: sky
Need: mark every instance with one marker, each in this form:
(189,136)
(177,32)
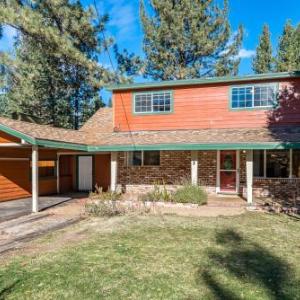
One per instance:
(124,24)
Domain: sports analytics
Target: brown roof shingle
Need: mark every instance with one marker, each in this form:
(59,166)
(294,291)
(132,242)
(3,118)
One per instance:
(98,131)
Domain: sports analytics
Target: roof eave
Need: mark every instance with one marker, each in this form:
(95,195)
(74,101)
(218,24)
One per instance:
(212,80)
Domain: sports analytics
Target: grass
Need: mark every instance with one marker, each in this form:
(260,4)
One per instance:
(252,256)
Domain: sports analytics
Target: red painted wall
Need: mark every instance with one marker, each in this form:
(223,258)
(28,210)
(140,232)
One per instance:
(199,107)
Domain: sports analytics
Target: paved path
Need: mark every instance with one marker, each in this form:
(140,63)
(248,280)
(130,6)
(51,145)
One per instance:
(16,208)
(14,233)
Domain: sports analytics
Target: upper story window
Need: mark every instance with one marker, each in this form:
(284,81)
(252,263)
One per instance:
(253,96)
(153,102)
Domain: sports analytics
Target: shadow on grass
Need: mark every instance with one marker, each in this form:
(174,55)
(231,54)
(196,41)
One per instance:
(4,292)
(246,262)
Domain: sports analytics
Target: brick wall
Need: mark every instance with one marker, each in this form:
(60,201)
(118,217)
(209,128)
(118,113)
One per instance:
(207,169)
(175,166)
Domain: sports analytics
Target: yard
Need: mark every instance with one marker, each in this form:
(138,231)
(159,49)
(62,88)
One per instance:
(250,256)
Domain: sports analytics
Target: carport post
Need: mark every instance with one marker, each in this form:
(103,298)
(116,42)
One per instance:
(113,171)
(249,176)
(35,179)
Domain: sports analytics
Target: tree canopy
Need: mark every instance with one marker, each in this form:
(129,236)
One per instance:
(185,39)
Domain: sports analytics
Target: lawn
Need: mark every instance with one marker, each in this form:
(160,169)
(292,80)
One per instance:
(251,256)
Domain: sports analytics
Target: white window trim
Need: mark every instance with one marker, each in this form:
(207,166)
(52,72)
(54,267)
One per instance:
(252,86)
(152,111)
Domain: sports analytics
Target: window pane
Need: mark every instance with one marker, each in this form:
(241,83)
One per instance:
(264,95)
(296,163)
(135,158)
(153,102)
(47,168)
(151,158)
(241,97)
(278,163)
(258,163)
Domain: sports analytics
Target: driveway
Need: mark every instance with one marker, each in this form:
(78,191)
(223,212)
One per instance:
(16,208)
(15,232)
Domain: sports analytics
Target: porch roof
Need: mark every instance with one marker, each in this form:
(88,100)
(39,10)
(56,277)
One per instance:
(98,135)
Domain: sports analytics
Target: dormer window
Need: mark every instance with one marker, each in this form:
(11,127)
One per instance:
(253,96)
(153,102)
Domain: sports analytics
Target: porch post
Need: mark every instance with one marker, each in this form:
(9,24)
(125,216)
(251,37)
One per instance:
(113,171)
(194,167)
(35,179)
(249,176)
(57,175)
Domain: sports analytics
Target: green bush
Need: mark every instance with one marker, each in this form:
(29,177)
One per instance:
(104,209)
(190,194)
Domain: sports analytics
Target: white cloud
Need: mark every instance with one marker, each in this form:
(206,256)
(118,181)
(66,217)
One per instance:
(245,53)
(123,18)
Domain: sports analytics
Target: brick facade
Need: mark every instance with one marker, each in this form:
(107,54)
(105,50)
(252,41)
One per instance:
(175,166)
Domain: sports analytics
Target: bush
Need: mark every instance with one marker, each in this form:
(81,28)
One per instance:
(190,194)
(104,209)
(104,196)
(157,194)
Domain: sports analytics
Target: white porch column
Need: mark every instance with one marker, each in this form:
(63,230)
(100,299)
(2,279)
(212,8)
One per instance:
(249,176)
(57,175)
(35,179)
(113,171)
(194,167)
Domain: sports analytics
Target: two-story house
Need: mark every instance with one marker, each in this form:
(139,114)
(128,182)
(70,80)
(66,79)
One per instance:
(238,135)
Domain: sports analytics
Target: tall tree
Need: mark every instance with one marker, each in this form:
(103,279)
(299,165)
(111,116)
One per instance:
(54,73)
(286,55)
(263,60)
(185,39)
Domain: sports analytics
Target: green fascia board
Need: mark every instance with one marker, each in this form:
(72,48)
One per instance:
(211,146)
(203,81)
(18,134)
(61,145)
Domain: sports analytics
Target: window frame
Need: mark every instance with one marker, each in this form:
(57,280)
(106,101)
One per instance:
(44,177)
(142,159)
(268,107)
(153,112)
(265,165)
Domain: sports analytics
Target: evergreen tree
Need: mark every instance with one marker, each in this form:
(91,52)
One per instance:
(286,55)
(54,74)
(263,60)
(185,39)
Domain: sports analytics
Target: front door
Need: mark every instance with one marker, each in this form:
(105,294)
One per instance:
(228,171)
(85,173)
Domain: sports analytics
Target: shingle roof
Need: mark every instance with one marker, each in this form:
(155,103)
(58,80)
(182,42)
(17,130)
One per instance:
(97,134)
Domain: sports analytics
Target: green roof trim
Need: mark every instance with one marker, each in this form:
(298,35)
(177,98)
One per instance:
(18,134)
(203,81)
(208,146)
(61,145)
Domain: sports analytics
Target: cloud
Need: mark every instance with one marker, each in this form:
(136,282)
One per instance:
(245,53)
(123,18)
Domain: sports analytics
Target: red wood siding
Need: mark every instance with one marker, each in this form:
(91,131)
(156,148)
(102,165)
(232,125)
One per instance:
(66,173)
(102,171)
(15,174)
(5,138)
(197,107)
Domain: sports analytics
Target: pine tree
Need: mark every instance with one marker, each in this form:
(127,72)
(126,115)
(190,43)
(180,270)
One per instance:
(286,54)
(297,47)
(185,39)
(263,60)
(54,74)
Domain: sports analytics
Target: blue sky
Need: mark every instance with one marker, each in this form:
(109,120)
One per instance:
(125,27)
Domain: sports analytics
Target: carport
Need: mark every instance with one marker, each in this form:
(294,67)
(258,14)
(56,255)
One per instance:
(40,160)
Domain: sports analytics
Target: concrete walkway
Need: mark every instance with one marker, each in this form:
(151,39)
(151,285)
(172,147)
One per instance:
(16,208)
(14,233)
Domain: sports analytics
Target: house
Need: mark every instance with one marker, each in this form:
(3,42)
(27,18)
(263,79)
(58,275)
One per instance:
(236,135)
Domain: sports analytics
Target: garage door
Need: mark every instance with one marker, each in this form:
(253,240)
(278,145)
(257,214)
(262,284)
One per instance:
(14,179)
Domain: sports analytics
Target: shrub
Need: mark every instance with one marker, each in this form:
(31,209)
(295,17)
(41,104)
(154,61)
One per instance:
(157,194)
(104,209)
(190,194)
(104,196)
